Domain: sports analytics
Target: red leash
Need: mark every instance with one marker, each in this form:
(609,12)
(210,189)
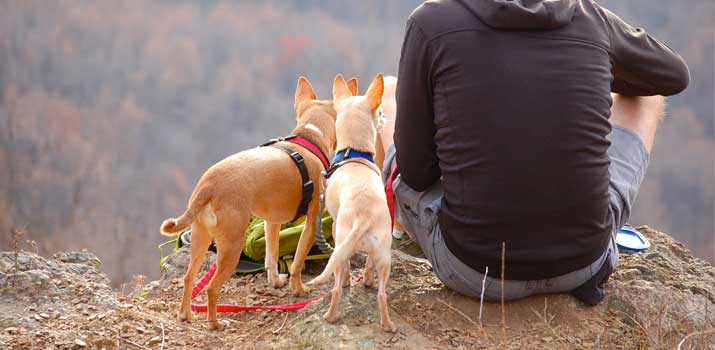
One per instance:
(389,192)
(223,308)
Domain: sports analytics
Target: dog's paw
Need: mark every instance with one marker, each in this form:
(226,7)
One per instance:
(389,327)
(298,288)
(331,317)
(185,317)
(278,281)
(216,326)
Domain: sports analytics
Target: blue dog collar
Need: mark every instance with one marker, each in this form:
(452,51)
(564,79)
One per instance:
(351,153)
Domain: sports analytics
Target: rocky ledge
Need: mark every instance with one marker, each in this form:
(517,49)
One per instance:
(660,299)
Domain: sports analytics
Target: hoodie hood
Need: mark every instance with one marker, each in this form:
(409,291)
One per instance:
(522,14)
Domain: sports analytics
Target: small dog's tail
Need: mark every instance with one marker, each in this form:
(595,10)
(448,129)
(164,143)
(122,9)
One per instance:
(340,255)
(173,226)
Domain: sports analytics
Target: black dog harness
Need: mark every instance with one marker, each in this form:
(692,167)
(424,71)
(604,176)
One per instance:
(307,184)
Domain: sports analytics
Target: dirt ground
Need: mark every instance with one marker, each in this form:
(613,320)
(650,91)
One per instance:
(655,300)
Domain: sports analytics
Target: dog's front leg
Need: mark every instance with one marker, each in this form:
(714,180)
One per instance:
(272,237)
(346,275)
(368,274)
(307,237)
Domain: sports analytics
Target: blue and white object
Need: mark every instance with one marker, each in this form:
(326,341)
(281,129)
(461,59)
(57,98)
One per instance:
(630,239)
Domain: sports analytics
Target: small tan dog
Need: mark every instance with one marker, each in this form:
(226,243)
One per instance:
(356,199)
(264,181)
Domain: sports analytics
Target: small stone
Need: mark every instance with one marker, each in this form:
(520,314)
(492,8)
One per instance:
(44,315)
(38,318)
(154,341)
(11,330)
(81,343)
(141,330)
(547,339)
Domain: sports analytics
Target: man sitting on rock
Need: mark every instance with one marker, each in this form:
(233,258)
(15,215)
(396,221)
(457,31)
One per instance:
(507,135)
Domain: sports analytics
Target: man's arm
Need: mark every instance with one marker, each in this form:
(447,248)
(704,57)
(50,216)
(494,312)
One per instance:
(643,66)
(414,125)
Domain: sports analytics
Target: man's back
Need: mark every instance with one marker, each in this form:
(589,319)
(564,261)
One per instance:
(516,98)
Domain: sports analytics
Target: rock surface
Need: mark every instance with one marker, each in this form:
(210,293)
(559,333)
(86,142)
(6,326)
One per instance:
(655,300)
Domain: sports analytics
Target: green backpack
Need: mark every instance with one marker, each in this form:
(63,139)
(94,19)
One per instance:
(254,247)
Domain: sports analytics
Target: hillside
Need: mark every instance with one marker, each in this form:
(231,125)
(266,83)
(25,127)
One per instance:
(655,300)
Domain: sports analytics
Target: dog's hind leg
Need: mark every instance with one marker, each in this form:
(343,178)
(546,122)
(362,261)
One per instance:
(272,237)
(229,238)
(346,275)
(332,314)
(200,241)
(382,264)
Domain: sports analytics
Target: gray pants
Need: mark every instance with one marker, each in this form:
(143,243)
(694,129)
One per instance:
(629,160)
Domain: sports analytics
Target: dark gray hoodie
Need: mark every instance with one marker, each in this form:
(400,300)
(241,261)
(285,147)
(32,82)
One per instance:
(508,102)
(522,14)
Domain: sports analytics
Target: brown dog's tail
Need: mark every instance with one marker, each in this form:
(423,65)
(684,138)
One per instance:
(173,226)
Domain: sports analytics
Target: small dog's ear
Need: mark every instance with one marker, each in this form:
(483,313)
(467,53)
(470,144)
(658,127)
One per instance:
(340,89)
(353,86)
(304,92)
(374,92)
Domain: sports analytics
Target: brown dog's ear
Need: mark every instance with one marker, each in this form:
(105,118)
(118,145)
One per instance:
(340,89)
(353,86)
(304,92)
(374,92)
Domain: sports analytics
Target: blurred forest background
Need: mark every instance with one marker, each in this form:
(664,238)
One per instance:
(110,111)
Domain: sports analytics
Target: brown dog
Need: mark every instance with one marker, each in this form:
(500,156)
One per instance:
(263,181)
(356,199)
